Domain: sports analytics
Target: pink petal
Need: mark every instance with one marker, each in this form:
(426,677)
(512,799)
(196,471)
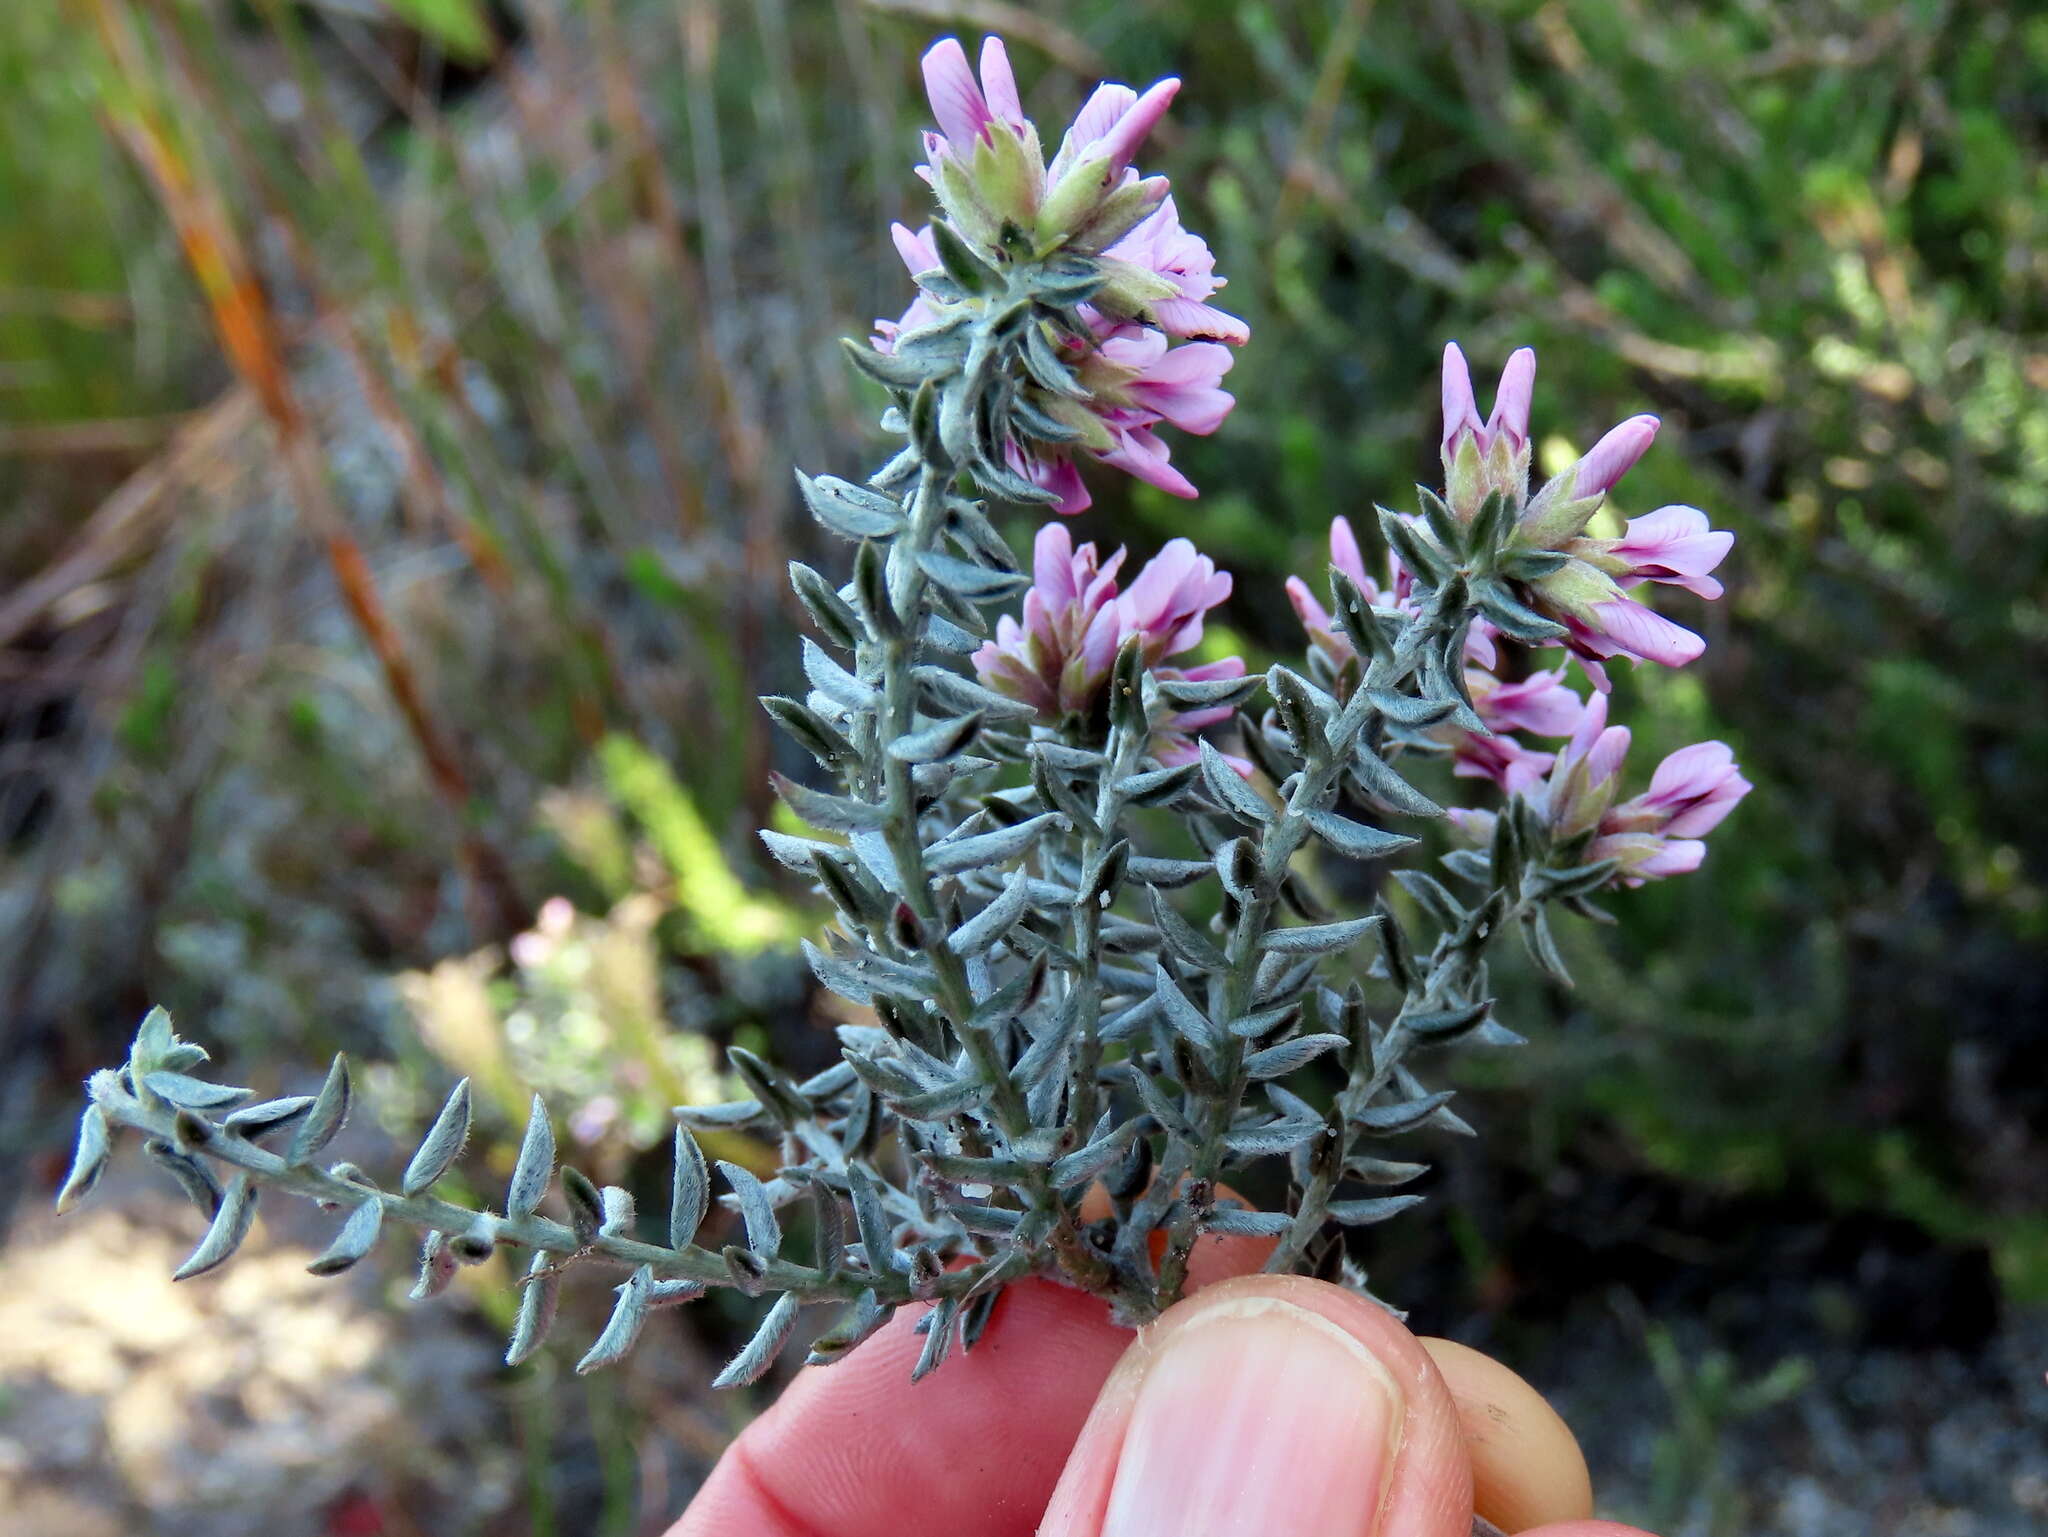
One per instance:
(1612,457)
(1608,753)
(1345,557)
(1185,317)
(1460,409)
(1637,631)
(1511,400)
(1121,143)
(956,98)
(1052,565)
(999,84)
(1140,453)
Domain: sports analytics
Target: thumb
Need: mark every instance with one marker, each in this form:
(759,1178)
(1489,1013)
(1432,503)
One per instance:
(1269,1404)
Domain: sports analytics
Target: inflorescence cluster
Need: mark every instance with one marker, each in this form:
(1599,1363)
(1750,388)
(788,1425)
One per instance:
(1060,1065)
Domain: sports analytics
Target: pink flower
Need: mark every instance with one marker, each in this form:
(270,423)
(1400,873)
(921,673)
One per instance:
(1659,832)
(1059,657)
(1172,275)
(965,107)
(1654,835)
(1690,794)
(1540,704)
(1482,458)
(920,255)
(988,169)
(1582,781)
(1074,622)
(1672,545)
(1166,602)
(1135,382)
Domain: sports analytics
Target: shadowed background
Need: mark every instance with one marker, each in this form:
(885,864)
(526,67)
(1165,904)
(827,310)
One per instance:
(397,399)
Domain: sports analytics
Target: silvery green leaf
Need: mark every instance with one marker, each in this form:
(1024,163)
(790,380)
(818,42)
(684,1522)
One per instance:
(1281,975)
(1042,361)
(442,1143)
(769,1086)
(1182,938)
(1297,711)
(154,1040)
(764,1233)
(1182,1015)
(1577,881)
(795,852)
(760,1352)
(536,1164)
(689,1191)
(1278,1061)
(329,1112)
(1103,876)
(192,1093)
(936,742)
(1272,1137)
(1390,1120)
(674,1292)
(861,1319)
(1440,1027)
(840,976)
(827,1085)
(981,931)
(1087,1162)
(974,1317)
(1378,1209)
(586,1206)
(230,1227)
(1542,948)
(253,1121)
(1129,1021)
(1422,558)
(1515,620)
(937,1327)
(876,1236)
(1238,1223)
(89,1161)
(1209,693)
(1229,789)
(950,855)
(357,1237)
(1378,783)
(951,692)
(835,682)
(1157,787)
(941,632)
(737,1112)
(1431,896)
(1381,1171)
(984,1221)
(832,614)
(745,1269)
(623,1327)
(1237,866)
(1394,949)
(538,1296)
(191,1131)
(192,1174)
(1249,1027)
(853,512)
(1355,840)
(835,813)
(1417,714)
(620,1213)
(810,731)
(1316,938)
(941,1101)
(1048,1049)
(977,583)
(1148,871)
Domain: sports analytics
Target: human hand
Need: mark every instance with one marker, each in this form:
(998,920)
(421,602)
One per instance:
(1268,1405)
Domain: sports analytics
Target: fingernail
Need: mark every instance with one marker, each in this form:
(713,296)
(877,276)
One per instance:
(1257,1417)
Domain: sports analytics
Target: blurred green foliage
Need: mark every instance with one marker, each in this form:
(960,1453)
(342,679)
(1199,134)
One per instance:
(595,284)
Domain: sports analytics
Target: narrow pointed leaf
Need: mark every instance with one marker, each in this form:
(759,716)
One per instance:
(230,1227)
(442,1143)
(357,1237)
